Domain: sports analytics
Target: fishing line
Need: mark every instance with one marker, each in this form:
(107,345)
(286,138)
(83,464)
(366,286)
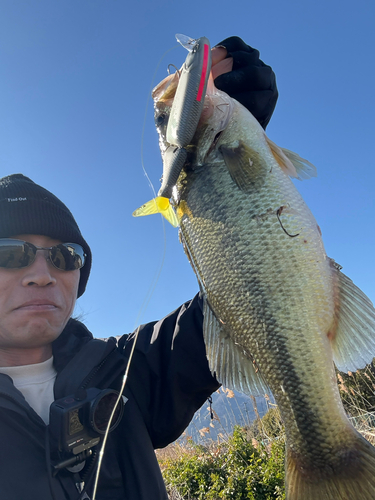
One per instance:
(156,277)
(148,294)
(102,449)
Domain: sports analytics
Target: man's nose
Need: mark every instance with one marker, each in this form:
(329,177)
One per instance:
(39,273)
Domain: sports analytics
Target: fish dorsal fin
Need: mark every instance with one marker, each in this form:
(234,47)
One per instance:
(228,361)
(291,163)
(246,166)
(353,334)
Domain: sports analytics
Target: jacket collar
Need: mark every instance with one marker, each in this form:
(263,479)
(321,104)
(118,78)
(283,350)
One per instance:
(74,336)
(84,365)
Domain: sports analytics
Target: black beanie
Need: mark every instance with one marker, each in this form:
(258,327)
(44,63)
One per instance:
(26,208)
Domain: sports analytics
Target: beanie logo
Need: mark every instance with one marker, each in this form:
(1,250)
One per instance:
(17,199)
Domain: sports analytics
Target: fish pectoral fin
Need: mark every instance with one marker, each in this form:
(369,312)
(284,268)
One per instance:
(246,166)
(291,163)
(352,334)
(228,361)
(158,205)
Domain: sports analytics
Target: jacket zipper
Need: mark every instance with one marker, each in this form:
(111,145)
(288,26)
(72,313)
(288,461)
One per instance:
(95,370)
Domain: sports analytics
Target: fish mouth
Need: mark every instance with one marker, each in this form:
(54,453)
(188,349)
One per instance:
(217,112)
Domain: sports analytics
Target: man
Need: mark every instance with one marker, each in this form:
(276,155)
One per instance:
(45,355)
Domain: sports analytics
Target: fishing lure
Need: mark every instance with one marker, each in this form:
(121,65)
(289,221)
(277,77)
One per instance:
(186,111)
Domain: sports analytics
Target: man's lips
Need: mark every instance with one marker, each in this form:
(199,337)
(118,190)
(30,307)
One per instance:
(37,305)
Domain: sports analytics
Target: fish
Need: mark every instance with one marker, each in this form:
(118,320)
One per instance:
(279,314)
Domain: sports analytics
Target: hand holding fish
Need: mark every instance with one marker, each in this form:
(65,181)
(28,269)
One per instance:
(246,78)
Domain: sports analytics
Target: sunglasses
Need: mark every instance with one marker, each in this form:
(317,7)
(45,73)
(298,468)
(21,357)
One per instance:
(16,254)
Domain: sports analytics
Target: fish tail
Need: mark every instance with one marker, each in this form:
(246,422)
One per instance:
(160,205)
(351,478)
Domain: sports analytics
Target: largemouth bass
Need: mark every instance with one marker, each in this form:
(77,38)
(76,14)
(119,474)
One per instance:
(277,310)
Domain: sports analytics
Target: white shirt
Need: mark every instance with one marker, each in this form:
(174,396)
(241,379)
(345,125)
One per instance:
(36,383)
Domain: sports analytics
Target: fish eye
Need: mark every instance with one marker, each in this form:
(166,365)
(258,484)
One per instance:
(159,120)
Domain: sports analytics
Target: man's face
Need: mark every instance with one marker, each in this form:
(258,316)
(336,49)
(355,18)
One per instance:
(36,301)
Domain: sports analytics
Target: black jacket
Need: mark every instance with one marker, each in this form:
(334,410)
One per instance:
(169,380)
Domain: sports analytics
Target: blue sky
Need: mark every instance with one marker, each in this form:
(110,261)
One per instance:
(75,78)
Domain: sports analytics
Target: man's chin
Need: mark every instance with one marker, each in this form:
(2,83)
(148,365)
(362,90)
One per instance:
(41,331)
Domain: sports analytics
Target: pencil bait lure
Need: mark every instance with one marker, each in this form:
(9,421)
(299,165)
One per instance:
(183,120)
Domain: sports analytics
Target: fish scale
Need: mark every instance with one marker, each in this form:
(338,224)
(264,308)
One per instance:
(246,259)
(277,310)
(233,264)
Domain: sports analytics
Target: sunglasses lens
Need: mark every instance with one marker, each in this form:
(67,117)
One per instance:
(67,256)
(15,254)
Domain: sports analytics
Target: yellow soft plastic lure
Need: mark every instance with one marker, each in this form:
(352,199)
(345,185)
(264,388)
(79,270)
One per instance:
(158,205)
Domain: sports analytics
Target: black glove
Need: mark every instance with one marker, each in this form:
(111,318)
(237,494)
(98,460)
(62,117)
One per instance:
(251,82)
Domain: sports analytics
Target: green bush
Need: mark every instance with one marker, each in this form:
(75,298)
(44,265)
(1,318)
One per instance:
(236,469)
(269,426)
